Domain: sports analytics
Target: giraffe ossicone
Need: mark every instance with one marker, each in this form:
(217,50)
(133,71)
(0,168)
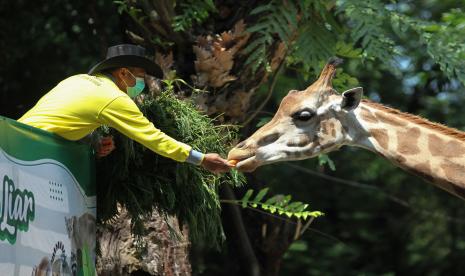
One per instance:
(319,120)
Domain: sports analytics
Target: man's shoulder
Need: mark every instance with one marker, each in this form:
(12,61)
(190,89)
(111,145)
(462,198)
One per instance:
(89,78)
(98,84)
(98,81)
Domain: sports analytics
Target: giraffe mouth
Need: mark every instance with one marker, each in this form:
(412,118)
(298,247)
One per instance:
(248,164)
(246,160)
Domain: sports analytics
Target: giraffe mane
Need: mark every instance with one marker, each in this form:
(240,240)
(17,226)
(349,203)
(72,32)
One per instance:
(452,132)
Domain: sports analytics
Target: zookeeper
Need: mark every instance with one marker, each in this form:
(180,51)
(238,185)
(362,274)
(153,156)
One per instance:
(81,103)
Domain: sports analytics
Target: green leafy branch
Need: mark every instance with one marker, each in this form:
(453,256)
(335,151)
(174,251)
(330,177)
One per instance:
(192,12)
(366,18)
(279,204)
(142,181)
(323,159)
(444,41)
(171,82)
(134,12)
(277,18)
(309,31)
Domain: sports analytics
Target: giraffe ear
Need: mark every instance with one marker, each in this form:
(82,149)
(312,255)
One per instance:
(351,98)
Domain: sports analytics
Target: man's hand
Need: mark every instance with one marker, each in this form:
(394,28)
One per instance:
(105,146)
(215,164)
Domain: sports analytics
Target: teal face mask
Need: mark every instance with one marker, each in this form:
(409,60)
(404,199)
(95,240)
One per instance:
(134,91)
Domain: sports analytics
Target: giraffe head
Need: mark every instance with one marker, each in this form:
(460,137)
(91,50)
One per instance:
(307,123)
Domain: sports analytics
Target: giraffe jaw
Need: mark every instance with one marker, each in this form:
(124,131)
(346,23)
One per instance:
(250,161)
(247,159)
(247,165)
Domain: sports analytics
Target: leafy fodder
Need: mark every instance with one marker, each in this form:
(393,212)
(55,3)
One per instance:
(143,181)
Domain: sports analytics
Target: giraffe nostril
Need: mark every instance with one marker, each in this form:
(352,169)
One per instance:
(268,139)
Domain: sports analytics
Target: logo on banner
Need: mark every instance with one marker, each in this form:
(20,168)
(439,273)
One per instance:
(17,209)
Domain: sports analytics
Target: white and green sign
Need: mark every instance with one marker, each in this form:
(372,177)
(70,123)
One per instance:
(47,203)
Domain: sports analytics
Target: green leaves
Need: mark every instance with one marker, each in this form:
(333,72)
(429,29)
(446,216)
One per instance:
(280,204)
(193,12)
(143,181)
(445,41)
(344,81)
(245,199)
(307,28)
(366,27)
(277,18)
(372,25)
(347,50)
(315,43)
(323,159)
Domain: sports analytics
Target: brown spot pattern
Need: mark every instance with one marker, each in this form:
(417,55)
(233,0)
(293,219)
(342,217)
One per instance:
(423,168)
(390,119)
(439,147)
(368,116)
(454,172)
(407,141)
(417,120)
(324,127)
(424,171)
(333,132)
(299,141)
(381,137)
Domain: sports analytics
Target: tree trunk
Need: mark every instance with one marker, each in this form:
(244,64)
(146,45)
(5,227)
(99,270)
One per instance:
(164,250)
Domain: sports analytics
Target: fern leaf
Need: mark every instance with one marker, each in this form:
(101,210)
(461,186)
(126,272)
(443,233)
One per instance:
(260,9)
(245,199)
(260,195)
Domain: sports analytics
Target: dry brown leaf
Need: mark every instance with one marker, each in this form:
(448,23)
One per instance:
(215,56)
(239,28)
(227,38)
(278,55)
(201,53)
(202,41)
(165,62)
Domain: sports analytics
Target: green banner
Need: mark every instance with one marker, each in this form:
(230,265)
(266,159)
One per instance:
(47,203)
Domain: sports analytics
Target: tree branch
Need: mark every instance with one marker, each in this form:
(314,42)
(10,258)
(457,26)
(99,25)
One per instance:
(248,254)
(268,96)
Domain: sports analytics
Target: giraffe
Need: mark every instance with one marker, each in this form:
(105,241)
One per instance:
(319,120)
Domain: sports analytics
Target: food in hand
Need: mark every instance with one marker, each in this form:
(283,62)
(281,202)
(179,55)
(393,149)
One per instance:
(233,162)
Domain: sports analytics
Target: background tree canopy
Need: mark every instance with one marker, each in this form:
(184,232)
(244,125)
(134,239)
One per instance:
(245,56)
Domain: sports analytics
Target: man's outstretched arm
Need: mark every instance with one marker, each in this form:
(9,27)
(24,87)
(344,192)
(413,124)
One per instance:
(124,115)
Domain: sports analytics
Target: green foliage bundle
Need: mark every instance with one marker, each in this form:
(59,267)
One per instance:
(142,181)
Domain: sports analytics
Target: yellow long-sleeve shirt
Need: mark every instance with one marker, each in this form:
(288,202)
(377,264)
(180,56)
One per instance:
(81,103)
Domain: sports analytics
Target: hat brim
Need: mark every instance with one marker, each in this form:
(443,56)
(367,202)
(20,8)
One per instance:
(128,61)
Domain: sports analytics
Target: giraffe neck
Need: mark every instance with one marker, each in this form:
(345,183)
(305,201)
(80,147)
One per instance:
(431,151)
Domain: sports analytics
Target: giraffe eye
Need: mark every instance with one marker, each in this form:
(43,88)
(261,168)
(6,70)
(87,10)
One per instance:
(303,115)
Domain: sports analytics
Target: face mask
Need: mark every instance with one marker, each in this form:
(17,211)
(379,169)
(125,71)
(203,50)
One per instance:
(134,91)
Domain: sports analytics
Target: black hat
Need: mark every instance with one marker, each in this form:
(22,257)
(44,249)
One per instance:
(127,55)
